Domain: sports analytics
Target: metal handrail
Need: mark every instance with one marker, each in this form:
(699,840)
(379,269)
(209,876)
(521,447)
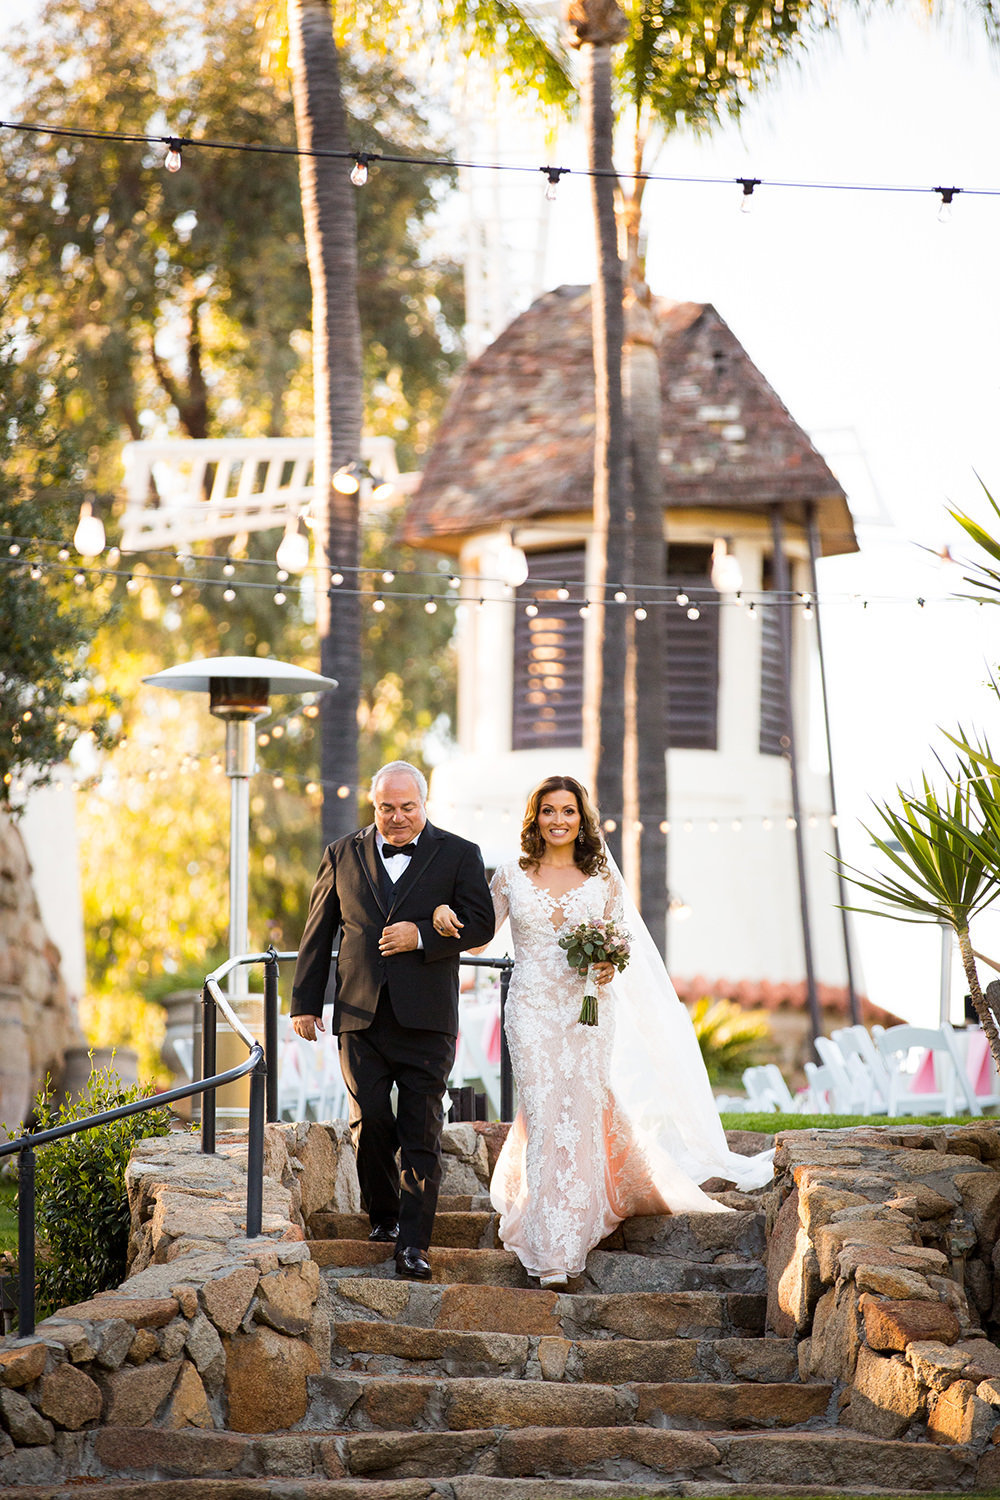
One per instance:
(271,959)
(24,1146)
(261,1065)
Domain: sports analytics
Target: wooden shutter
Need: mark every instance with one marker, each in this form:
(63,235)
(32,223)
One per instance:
(548,653)
(692,652)
(773,724)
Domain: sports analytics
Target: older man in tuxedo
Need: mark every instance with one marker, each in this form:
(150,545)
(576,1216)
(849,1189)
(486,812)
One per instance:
(396,1003)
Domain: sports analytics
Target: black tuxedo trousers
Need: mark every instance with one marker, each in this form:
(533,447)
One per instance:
(396,1017)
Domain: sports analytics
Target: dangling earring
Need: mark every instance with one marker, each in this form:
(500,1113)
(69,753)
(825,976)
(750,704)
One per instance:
(580,838)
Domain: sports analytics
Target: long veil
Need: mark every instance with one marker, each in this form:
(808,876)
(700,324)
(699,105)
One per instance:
(657,1072)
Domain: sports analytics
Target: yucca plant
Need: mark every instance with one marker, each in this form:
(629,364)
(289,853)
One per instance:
(947,853)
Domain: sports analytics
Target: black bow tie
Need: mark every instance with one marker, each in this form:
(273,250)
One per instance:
(389,851)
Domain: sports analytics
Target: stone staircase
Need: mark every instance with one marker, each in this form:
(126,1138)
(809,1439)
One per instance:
(651,1375)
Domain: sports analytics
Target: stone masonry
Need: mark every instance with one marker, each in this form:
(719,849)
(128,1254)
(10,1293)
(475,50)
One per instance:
(882,1261)
(296,1361)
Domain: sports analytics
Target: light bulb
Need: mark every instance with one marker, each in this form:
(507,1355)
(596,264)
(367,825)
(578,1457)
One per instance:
(384,490)
(346,481)
(431,607)
(621,597)
(88,538)
(359,172)
(279,597)
(726,573)
(293,553)
(229,595)
(694,613)
(173,160)
(640,613)
(378,605)
(512,565)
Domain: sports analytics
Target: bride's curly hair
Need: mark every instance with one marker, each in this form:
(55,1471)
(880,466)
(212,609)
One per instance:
(588,846)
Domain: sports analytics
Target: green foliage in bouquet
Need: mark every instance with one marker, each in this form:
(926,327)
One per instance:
(588,943)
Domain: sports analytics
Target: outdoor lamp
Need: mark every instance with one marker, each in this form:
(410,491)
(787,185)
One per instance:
(239,689)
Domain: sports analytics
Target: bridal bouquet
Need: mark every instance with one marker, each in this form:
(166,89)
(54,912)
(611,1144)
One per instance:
(592,943)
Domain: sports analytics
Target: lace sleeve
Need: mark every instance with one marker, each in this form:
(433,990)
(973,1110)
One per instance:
(498,890)
(614,902)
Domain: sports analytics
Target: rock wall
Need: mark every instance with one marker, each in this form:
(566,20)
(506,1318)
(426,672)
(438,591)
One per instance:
(210,1329)
(38,1021)
(882,1257)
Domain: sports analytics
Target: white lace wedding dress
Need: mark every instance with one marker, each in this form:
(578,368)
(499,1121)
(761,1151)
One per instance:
(582,1156)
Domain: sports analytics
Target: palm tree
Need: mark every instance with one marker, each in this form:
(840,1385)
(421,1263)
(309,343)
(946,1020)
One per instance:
(946,858)
(331,249)
(595,26)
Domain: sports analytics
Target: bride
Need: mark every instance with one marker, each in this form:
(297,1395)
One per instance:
(616,1119)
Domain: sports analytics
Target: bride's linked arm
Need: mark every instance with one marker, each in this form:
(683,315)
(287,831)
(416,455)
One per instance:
(445,920)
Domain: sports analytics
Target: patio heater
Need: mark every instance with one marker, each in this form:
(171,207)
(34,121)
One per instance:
(239,689)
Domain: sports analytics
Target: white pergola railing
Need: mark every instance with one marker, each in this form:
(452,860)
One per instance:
(185,490)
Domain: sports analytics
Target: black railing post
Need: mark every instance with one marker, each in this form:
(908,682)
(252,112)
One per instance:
(255,1150)
(271,1031)
(506,1077)
(26,1243)
(207,1071)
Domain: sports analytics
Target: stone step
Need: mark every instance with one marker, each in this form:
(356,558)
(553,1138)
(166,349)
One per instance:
(606,1271)
(511,1309)
(495,1463)
(359,1402)
(619,1271)
(464,1230)
(692,1237)
(470,1267)
(380,1348)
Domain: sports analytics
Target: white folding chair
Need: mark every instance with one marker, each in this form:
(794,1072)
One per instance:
(819,1090)
(857,1042)
(767,1090)
(851,1084)
(905,1048)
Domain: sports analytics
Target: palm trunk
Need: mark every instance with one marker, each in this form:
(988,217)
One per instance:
(983,1011)
(331,247)
(605,700)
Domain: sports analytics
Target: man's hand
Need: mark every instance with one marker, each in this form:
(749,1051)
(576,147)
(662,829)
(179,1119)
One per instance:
(307,1026)
(399,937)
(446,922)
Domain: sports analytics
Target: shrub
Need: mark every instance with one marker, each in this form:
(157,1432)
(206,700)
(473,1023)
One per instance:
(729,1037)
(81,1206)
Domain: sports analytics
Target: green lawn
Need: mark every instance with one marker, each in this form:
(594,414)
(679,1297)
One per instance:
(773,1122)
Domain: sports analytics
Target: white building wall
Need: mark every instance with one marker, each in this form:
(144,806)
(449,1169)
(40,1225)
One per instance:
(732,862)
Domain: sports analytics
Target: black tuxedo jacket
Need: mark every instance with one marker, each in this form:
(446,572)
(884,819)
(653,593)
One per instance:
(348,897)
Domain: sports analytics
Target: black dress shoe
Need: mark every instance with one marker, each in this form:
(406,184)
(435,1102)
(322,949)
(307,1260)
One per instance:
(413,1264)
(385,1234)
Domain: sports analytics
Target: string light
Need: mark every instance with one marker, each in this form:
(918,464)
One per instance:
(562,592)
(431,607)
(89,538)
(584,611)
(531,609)
(694,613)
(681,599)
(336,579)
(173,161)
(746,200)
(621,597)
(640,613)
(14,549)
(388,576)
(552,186)
(228,569)
(280,597)
(229,595)
(948,196)
(359,172)
(292,555)
(364,158)
(378,604)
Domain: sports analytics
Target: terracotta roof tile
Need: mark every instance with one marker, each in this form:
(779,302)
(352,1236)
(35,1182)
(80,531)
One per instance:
(516,440)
